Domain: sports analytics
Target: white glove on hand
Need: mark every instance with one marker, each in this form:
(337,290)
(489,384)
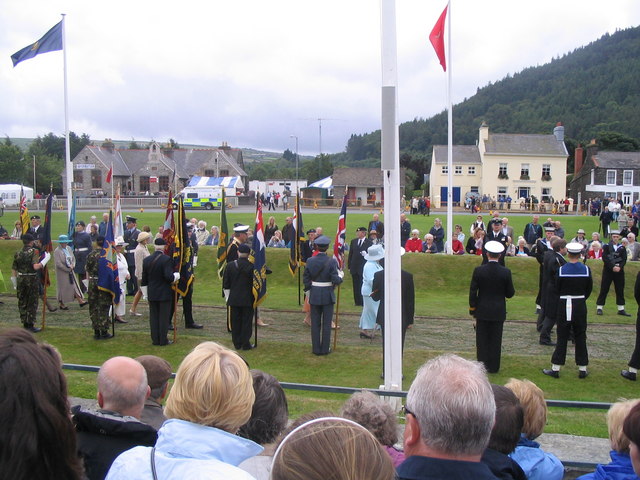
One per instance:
(176,276)
(45,259)
(143,289)
(85,282)
(340,273)
(14,282)
(226,293)
(195,261)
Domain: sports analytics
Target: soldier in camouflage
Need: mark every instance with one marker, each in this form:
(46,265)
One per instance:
(99,300)
(26,263)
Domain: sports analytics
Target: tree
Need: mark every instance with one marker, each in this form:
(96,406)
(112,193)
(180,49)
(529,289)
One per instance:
(289,156)
(133,145)
(53,145)
(617,142)
(11,163)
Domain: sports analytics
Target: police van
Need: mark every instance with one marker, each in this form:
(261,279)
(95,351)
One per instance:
(202,197)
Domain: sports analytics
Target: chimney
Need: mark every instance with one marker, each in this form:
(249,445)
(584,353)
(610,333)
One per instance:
(578,159)
(484,132)
(559,132)
(168,151)
(592,148)
(108,145)
(224,146)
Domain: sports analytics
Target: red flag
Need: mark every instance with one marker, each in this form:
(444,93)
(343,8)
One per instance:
(109,174)
(437,38)
(338,245)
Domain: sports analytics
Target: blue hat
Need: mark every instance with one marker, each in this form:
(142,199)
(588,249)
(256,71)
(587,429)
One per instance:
(63,239)
(322,241)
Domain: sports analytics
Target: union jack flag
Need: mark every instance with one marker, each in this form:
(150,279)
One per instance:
(338,245)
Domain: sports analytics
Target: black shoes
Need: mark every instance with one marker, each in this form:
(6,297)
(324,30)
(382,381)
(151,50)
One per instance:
(582,374)
(103,335)
(628,375)
(195,326)
(248,347)
(366,335)
(623,313)
(120,320)
(32,329)
(551,373)
(548,343)
(599,311)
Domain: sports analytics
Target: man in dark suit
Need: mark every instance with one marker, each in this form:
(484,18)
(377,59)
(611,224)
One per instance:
(491,285)
(320,277)
(237,284)
(357,248)
(405,229)
(614,257)
(157,277)
(240,236)
(542,245)
(495,234)
(377,225)
(408,300)
(130,236)
(307,248)
(553,260)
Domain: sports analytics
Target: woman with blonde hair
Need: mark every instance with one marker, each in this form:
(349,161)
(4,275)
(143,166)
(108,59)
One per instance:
(334,448)
(620,467)
(536,463)
(210,400)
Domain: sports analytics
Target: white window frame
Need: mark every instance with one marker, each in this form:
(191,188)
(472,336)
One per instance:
(445,169)
(543,194)
(475,189)
(607,182)
(525,169)
(504,166)
(546,169)
(502,190)
(628,183)
(471,170)
(457,169)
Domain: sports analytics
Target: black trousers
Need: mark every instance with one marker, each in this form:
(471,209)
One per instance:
(241,326)
(132,283)
(489,344)
(577,325)
(159,318)
(635,357)
(618,283)
(546,326)
(357,288)
(321,316)
(187,307)
(539,287)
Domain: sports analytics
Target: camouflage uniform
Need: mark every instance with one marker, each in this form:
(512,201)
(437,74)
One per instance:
(27,289)
(99,300)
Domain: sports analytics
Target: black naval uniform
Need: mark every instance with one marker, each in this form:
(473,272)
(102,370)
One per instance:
(320,276)
(356,262)
(550,300)
(635,356)
(491,285)
(131,237)
(499,237)
(542,245)
(238,279)
(573,285)
(612,255)
(157,276)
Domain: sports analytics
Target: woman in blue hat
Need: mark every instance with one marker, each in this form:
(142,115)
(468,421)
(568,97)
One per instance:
(68,288)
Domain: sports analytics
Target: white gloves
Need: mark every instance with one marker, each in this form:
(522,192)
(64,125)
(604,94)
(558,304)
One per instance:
(176,276)
(45,259)
(340,273)
(14,282)
(85,282)
(195,261)
(143,289)
(226,292)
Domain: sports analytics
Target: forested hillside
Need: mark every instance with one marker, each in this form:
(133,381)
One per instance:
(594,91)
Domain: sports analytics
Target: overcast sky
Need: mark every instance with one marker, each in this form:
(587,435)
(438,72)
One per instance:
(253,73)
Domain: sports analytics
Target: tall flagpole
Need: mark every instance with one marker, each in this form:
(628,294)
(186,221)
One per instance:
(449,138)
(67,143)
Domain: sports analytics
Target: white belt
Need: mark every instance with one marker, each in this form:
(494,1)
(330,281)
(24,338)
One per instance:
(569,305)
(321,284)
(82,249)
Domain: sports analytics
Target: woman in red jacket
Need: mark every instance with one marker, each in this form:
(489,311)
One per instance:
(414,244)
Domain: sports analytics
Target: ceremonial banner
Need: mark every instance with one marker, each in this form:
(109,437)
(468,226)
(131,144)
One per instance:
(338,245)
(108,264)
(258,258)
(182,252)
(298,236)
(223,237)
(437,38)
(50,42)
(24,212)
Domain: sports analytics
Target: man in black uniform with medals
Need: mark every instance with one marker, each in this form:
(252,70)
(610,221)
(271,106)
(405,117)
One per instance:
(238,287)
(321,275)
(542,245)
(130,236)
(240,235)
(573,285)
(614,257)
(495,235)
(357,248)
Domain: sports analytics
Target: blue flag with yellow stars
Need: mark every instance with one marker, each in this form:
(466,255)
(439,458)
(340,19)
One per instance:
(50,42)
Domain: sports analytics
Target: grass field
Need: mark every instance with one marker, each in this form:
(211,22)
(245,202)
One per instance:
(442,325)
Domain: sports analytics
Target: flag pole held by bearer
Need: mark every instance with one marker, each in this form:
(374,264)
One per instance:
(338,254)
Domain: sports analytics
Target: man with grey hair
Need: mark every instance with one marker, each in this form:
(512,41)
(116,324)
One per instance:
(450,412)
(115,427)
(633,248)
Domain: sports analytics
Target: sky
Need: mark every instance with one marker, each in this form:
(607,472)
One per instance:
(254,73)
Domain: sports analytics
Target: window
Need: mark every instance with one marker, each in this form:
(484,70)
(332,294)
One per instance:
(475,189)
(209,173)
(546,195)
(457,169)
(224,173)
(502,172)
(96,178)
(471,170)
(524,171)
(502,191)
(445,169)
(611,177)
(627,177)
(78,178)
(144,184)
(164,183)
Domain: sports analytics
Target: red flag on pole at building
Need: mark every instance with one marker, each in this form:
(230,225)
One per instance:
(437,38)
(110,174)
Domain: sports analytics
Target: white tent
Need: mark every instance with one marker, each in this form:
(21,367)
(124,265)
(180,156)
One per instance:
(10,193)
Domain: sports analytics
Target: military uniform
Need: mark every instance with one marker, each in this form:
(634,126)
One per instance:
(238,280)
(27,283)
(130,236)
(613,255)
(99,300)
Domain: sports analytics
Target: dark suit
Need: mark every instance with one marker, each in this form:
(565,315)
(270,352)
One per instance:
(542,246)
(157,276)
(321,269)
(635,356)
(377,226)
(611,258)
(306,250)
(356,262)
(408,299)
(491,285)
(405,232)
(131,237)
(552,261)
(500,237)
(238,279)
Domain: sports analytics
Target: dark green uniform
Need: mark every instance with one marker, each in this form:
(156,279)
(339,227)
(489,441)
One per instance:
(27,289)
(99,300)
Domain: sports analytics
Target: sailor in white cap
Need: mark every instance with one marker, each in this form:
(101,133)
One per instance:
(491,285)
(573,283)
(542,245)
(614,256)
(240,235)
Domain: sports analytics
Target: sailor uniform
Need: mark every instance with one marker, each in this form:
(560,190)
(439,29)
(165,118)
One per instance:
(612,255)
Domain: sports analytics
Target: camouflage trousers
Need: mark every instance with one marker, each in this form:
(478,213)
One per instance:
(99,303)
(27,293)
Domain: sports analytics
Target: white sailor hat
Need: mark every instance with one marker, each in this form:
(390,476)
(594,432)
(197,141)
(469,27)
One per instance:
(494,247)
(549,229)
(241,228)
(614,232)
(574,247)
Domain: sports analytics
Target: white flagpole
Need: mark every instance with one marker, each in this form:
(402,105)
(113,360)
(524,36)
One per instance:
(67,143)
(449,138)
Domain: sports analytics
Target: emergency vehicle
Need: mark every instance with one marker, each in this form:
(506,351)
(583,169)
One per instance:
(202,197)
